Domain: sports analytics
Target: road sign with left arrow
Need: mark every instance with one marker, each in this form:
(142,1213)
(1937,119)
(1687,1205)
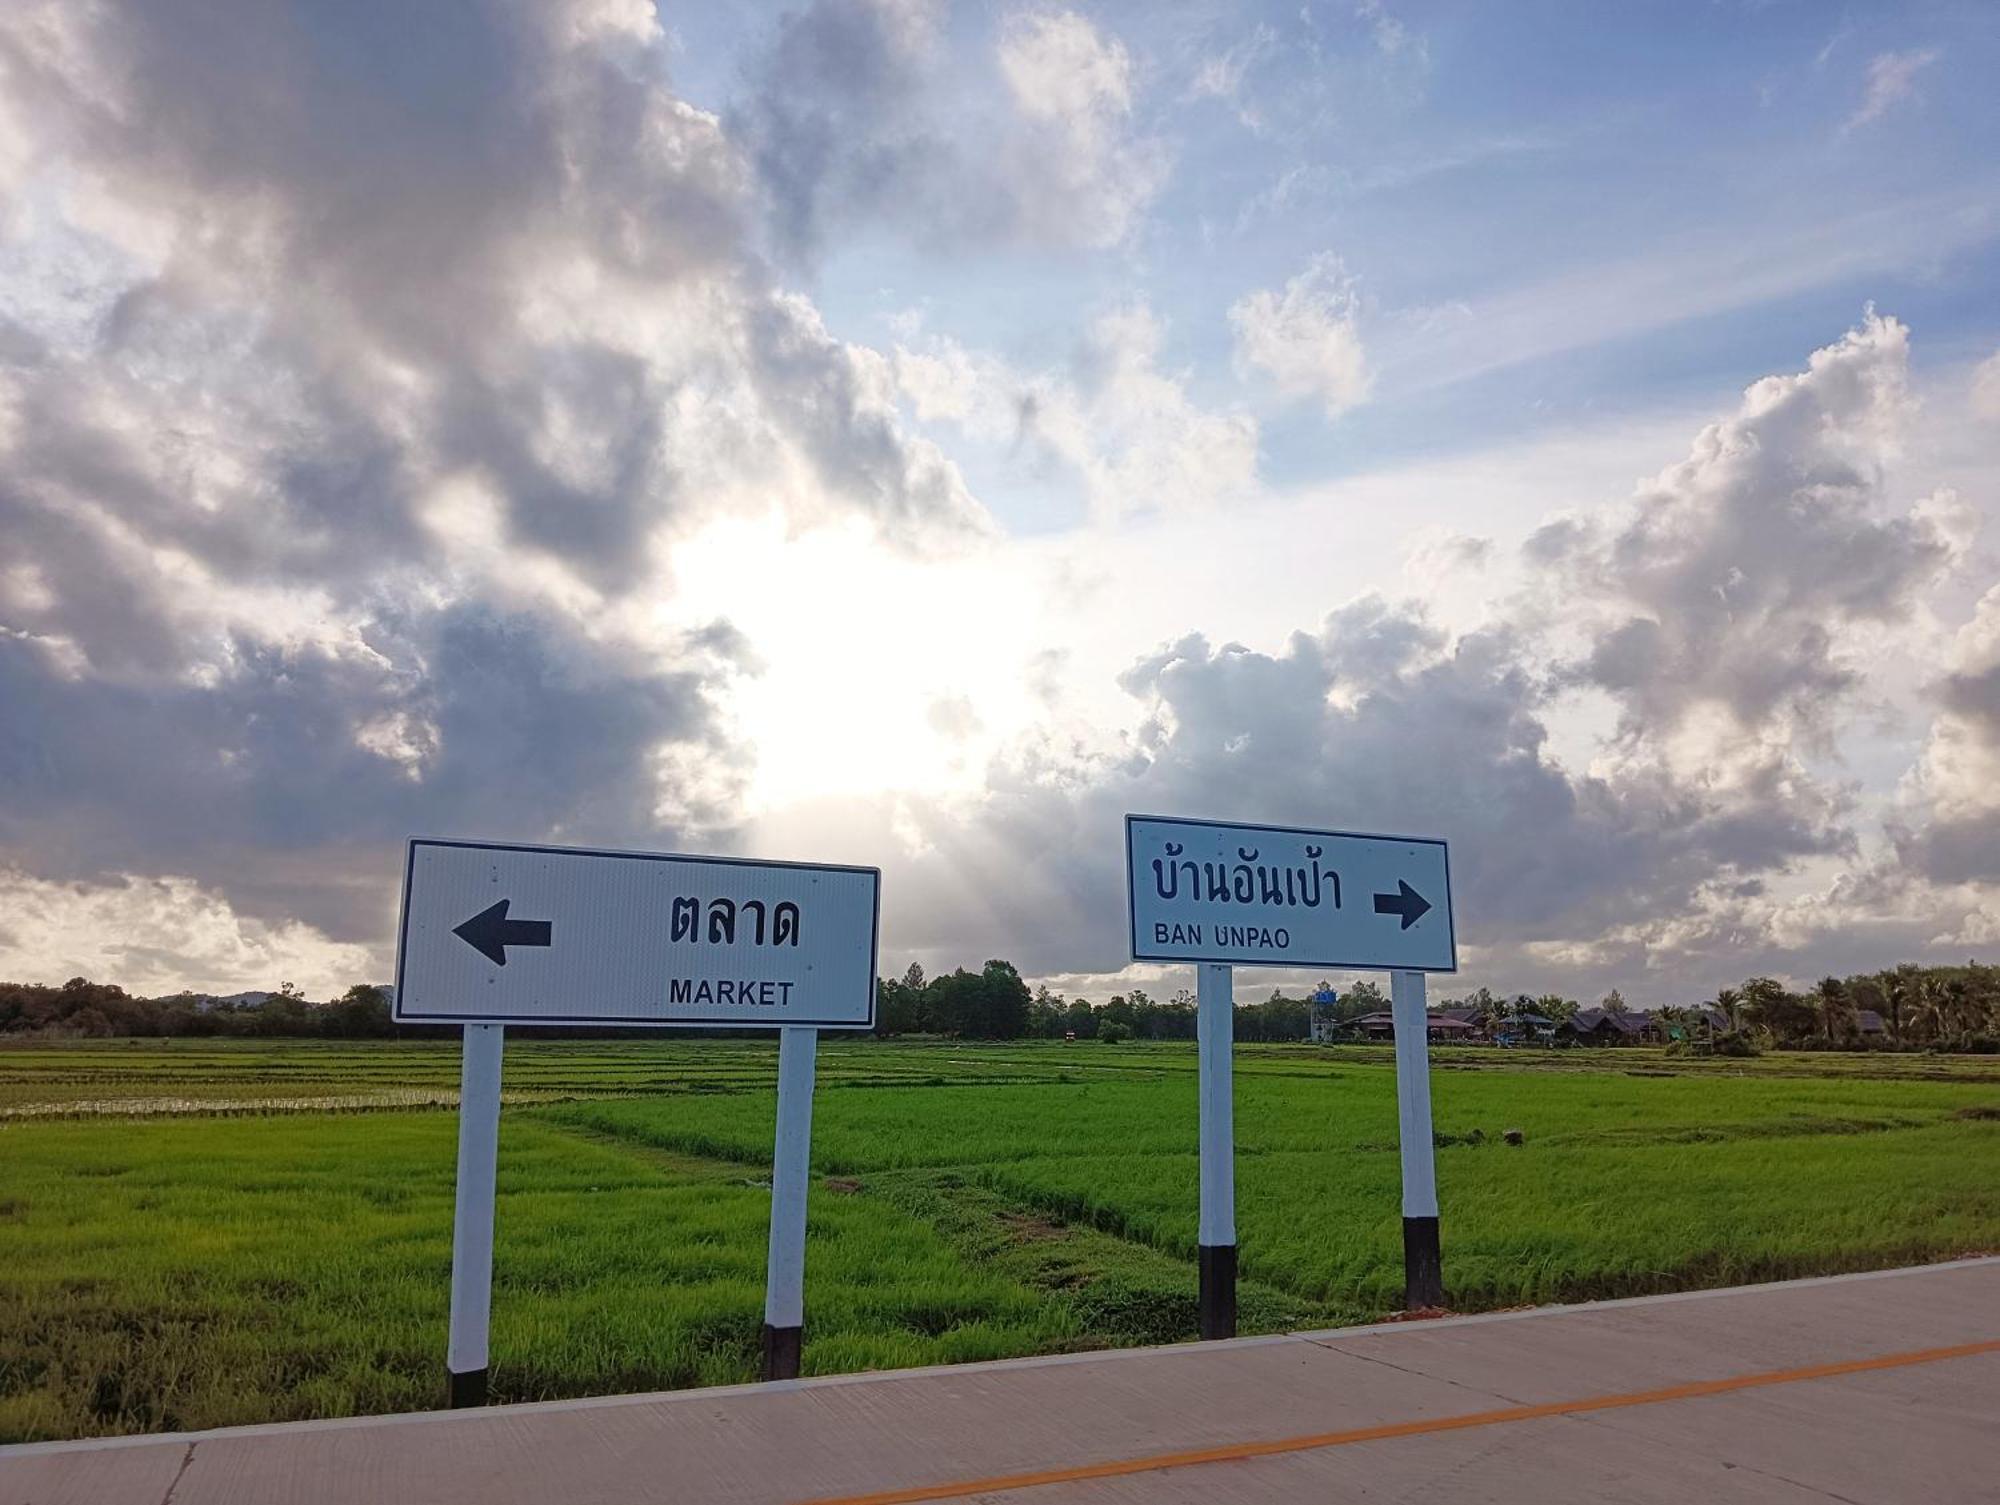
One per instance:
(496,934)
(1276,896)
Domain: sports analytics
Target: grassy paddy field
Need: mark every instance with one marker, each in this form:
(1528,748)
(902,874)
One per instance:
(195,1234)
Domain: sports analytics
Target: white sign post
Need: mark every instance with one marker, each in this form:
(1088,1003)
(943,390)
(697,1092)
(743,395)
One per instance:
(494,935)
(472,1216)
(785,1277)
(1220,895)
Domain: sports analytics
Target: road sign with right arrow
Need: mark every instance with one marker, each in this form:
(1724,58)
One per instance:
(498,934)
(1275,896)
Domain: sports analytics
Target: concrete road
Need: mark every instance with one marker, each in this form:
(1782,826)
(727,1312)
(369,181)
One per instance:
(1867,1388)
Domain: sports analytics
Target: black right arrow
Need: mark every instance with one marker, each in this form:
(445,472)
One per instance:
(490,932)
(1407,902)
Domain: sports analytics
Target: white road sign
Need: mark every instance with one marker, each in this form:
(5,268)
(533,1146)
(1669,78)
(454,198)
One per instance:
(1202,891)
(496,934)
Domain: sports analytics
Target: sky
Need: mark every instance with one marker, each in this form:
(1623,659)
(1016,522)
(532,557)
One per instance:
(914,434)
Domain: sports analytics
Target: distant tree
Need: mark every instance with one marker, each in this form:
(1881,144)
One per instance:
(1365,997)
(1729,1004)
(361,1013)
(1901,989)
(899,1004)
(1613,1002)
(1081,1019)
(1046,1012)
(1769,1006)
(1004,1002)
(1835,1008)
(1558,1009)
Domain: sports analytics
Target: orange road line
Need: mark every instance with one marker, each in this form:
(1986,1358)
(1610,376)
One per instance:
(1235,1451)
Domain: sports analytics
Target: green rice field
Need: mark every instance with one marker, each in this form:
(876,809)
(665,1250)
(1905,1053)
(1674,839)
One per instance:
(198,1233)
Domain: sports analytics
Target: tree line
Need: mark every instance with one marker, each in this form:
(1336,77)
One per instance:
(1936,1008)
(1949,1008)
(81,1007)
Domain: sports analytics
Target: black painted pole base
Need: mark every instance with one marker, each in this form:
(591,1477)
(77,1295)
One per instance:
(1218,1290)
(468,1389)
(781,1352)
(1423,1265)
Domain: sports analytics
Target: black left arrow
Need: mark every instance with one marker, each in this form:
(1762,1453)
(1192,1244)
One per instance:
(1406,901)
(490,932)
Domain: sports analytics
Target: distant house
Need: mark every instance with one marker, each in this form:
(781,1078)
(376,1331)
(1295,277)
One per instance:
(1382,1026)
(1524,1029)
(1608,1027)
(1869,1023)
(1470,1017)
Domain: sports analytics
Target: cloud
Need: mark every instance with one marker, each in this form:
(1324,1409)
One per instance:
(1892,78)
(1986,388)
(1391,36)
(1732,583)
(1695,640)
(1307,338)
(161,935)
(1220,75)
(846,122)
(1375,720)
(835,120)
(359,384)
(1127,430)
(1953,793)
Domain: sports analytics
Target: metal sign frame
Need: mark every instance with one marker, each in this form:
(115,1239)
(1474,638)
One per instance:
(1182,958)
(406,1015)
(467,1345)
(1215,1035)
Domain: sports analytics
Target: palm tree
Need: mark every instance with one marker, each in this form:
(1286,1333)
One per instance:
(1836,1010)
(1932,1006)
(1899,994)
(1764,1004)
(1955,1005)
(1729,1003)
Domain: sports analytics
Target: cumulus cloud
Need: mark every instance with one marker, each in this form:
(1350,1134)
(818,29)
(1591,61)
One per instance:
(1129,430)
(1377,719)
(161,935)
(342,487)
(1892,78)
(1719,612)
(845,123)
(1731,582)
(1080,166)
(1306,339)
(1955,788)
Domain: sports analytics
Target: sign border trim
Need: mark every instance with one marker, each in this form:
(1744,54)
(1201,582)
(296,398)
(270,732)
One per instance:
(1132,901)
(649,1021)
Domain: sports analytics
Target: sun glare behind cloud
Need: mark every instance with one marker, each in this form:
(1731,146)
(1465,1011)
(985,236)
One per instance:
(870,671)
